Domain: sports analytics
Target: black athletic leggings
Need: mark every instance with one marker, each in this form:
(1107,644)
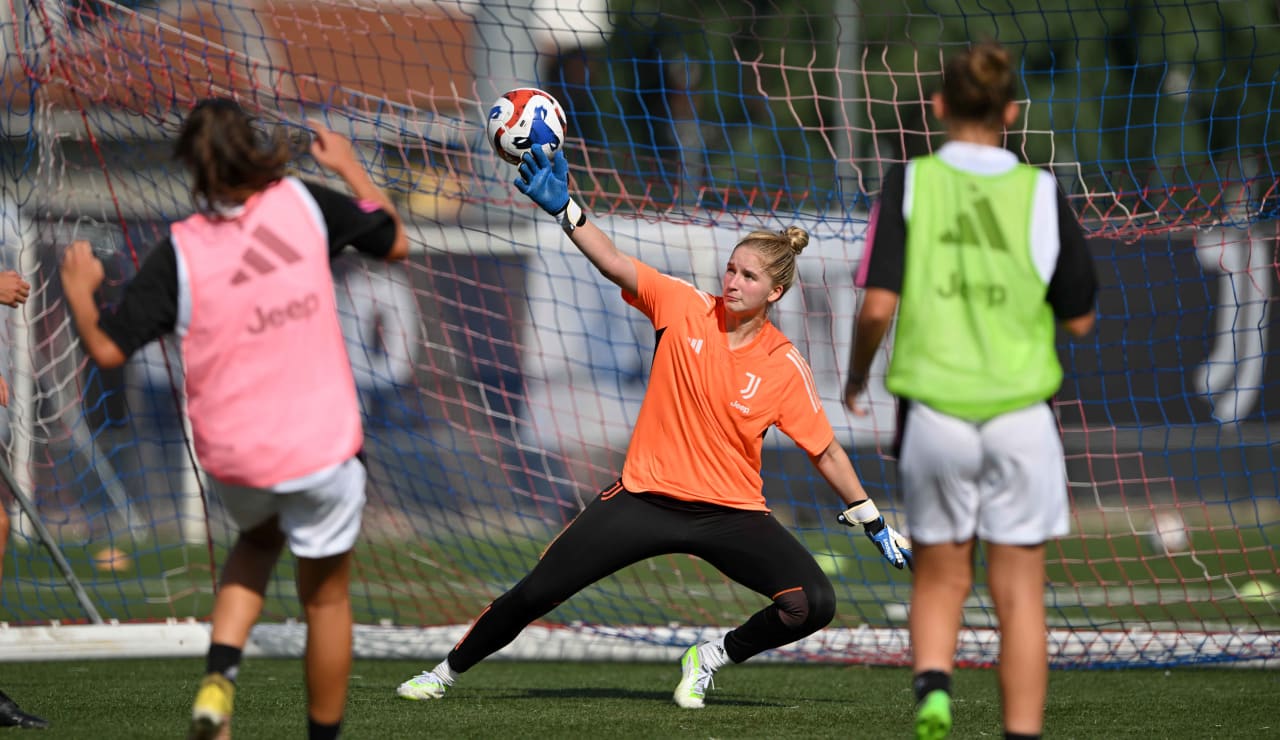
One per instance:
(620,528)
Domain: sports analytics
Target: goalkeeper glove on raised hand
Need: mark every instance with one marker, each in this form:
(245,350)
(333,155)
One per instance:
(546,182)
(894,546)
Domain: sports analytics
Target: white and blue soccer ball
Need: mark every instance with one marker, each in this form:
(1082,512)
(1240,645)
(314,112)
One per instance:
(522,119)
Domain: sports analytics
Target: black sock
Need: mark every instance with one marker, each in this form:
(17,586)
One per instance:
(223,659)
(317,731)
(927,681)
(1019,736)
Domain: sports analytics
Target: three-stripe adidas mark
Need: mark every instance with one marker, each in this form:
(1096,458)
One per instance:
(256,262)
(965,234)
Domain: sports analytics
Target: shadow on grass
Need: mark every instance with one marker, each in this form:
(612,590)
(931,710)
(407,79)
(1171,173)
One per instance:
(595,692)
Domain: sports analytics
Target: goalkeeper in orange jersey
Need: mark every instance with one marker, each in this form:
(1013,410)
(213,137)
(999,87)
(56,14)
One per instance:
(245,282)
(722,376)
(980,256)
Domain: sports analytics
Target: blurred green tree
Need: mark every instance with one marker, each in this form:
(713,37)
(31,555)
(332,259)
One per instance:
(1166,104)
(729,99)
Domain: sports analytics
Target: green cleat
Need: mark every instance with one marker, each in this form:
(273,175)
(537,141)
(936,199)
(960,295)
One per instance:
(933,716)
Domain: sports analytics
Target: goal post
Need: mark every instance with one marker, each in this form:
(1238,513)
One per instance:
(500,375)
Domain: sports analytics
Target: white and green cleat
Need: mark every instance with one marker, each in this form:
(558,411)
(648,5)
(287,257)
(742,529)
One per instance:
(694,680)
(425,685)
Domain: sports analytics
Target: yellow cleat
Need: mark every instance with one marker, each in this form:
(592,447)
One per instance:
(211,713)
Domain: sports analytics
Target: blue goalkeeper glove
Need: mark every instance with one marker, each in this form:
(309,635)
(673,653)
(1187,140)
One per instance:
(546,182)
(894,546)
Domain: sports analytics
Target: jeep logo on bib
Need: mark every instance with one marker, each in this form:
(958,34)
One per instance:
(275,317)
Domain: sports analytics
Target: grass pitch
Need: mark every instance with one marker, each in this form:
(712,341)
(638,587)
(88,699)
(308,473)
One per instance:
(141,699)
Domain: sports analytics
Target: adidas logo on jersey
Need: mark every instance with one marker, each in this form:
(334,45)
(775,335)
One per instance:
(696,344)
(965,233)
(254,261)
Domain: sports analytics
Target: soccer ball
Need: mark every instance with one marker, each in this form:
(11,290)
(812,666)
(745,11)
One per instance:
(522,119)
(1169,533)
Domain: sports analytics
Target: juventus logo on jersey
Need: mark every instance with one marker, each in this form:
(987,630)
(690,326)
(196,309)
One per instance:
(753,385)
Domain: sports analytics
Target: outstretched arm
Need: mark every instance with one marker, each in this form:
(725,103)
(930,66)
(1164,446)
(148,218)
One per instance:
(546,182)
(602,252)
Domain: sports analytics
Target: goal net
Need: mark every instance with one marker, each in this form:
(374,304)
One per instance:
(500,376)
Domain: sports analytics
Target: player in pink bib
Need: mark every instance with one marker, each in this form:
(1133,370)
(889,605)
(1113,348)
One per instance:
(245,283)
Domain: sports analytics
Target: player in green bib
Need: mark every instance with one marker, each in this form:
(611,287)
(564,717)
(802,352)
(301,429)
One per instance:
(981,258)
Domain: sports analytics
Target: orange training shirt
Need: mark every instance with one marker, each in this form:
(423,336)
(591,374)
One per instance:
(702,423)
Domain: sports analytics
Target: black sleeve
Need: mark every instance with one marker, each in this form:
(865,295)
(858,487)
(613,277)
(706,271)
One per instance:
(362,224)
(888,234)
(1074,285)
(149,309)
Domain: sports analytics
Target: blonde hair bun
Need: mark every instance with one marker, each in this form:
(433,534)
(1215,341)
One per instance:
(797,237)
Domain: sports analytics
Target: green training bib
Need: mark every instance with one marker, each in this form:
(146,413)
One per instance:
(975,336)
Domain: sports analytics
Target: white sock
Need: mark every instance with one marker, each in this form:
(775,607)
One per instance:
(445,673)
(712,654)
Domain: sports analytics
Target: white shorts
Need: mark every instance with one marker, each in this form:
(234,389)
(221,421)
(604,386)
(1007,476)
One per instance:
(1003,481)
(320,521)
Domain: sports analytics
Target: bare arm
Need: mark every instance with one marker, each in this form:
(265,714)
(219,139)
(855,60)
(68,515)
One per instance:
(835,467)
(81,275)
(873,323)
(604,254)
(336,153)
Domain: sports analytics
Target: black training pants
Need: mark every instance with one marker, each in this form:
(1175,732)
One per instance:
(620,528)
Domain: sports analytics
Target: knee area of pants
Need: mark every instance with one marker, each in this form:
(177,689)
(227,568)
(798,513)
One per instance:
(807,609)
(822,607)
